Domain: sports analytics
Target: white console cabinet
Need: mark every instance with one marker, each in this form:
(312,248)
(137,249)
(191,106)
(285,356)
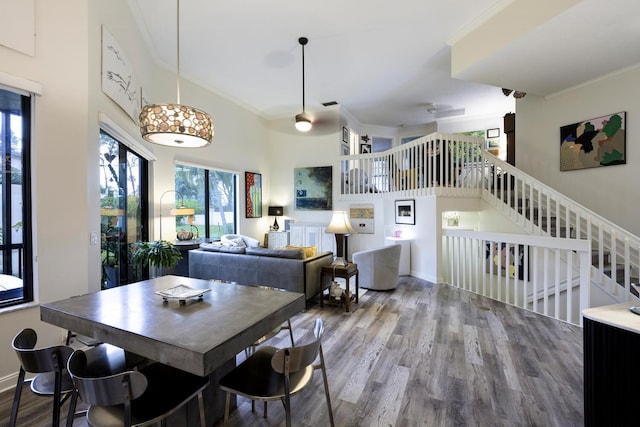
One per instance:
(312,234)
(278,239)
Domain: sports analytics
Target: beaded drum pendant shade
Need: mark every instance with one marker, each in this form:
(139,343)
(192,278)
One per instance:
(176,125)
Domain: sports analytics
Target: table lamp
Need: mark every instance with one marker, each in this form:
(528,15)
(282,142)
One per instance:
(275,211)
(340,226)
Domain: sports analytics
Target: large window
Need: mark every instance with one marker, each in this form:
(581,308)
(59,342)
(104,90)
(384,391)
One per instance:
(16,268)
(123,210)
(212,193)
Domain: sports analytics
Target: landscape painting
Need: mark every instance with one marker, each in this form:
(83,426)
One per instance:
(593,143)
(313,188)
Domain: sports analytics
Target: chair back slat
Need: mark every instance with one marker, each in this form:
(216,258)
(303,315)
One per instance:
(293,359)
(101,388)
(39,360)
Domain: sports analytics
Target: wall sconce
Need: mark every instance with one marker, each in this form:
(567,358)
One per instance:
(180,210)
(340,226)
(275,211)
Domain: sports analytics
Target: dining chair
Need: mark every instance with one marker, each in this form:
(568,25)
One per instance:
(133,397)
(274,332)
(51,379)
(270,335)
(272,374)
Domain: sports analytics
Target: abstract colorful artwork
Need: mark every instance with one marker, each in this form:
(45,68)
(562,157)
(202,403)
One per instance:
(253,188)
(313,188)
(593,143)
(507,259)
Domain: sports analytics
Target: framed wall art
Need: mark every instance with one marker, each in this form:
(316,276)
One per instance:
(493,133)
(361,218)
(345,134)
(406,212)
(593,143)
(365,148)
(507,259)
(119,81)
(253,197)
(313,188)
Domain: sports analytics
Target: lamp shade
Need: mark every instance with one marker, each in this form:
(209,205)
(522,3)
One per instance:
(175,125)
(340,224)
(276,211)
(182,211)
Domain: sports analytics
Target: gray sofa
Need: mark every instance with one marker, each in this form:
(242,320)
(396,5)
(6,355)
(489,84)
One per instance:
(279,268)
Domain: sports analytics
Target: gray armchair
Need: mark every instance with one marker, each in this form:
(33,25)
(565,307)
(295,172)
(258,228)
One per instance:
(378,268)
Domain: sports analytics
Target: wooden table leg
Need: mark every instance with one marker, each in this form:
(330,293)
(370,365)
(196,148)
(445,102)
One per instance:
(347,298)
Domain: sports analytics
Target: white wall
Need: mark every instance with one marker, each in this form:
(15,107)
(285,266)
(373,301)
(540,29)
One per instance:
(59,167)
(67,63)
(609,191)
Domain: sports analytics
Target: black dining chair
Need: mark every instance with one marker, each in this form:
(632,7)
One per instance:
(272,374)
(51,379)
(133,397)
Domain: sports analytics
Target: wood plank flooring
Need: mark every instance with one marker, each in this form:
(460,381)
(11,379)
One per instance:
(422,355)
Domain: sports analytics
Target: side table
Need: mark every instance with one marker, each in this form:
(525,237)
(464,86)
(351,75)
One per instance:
(345,272)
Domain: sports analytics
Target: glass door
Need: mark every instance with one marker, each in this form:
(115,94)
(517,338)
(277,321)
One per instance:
(123,211)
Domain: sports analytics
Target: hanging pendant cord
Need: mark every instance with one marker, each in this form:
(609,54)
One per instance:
(303,41)
(178,52)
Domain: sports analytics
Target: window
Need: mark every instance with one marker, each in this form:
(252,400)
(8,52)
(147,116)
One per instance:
(16,268)
(123,210)
(212,193)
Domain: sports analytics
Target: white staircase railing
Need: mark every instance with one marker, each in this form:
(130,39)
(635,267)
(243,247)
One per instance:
(536,273)
(540,210)
(457,165)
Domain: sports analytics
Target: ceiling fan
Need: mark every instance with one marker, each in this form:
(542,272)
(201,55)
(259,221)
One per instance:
(440,111)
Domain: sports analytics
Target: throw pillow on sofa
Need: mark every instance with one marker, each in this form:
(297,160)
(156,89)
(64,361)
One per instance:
(309,251)
(232,240)
(246,240)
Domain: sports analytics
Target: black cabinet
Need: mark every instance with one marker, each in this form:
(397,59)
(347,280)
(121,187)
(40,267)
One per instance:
(184,247)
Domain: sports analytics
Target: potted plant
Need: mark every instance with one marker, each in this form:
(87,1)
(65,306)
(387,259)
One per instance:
(159,254)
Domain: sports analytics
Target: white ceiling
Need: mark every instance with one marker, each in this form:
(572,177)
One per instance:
(383,61)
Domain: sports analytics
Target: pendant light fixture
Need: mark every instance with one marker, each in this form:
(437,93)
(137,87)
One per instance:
(176,125)
(303,121)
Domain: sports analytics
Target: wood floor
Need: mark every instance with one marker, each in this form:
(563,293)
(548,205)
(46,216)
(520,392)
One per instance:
(422,355)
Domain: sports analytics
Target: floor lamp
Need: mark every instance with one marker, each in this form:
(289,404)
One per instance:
(180,210)
(340,226)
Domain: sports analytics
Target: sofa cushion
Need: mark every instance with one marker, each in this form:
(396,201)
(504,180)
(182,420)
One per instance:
(309,251)
(277,253)
(214,247)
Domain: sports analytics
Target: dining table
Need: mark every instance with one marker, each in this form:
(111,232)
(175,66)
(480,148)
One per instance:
(195,325)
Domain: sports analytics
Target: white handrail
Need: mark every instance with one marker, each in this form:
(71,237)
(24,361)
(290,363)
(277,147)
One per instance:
(457,165)
(521,270)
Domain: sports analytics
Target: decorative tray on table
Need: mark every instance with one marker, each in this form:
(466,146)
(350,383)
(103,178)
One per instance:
(181,293)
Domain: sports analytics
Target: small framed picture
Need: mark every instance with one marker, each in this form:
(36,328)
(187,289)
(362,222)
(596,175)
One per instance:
(493,133)
(345,134)
(345,150)
(405,212)
(365,148)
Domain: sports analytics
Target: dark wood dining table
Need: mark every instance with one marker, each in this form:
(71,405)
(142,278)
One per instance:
(201,335)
